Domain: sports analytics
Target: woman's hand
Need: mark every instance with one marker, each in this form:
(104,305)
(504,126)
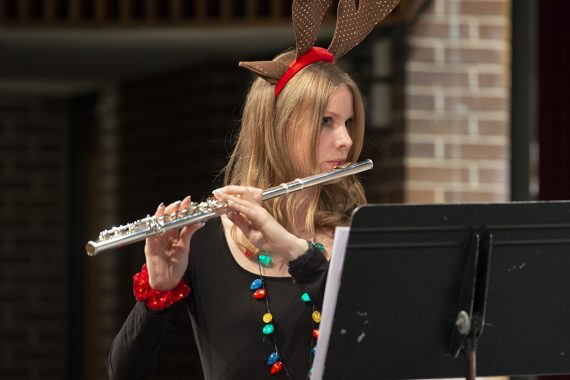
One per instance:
(257,224)
(167,254)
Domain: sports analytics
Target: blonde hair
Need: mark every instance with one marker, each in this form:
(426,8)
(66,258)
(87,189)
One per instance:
(277,143)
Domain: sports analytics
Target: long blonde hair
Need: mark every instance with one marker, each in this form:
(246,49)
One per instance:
(275,132)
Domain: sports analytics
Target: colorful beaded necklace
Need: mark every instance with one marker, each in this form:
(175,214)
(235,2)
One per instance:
(275,361)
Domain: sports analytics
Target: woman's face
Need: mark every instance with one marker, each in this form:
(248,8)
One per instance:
(333,141)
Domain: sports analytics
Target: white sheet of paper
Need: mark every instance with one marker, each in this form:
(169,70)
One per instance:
(329,301)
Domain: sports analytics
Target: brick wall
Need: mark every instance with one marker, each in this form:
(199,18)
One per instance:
(33,242)
(457,103)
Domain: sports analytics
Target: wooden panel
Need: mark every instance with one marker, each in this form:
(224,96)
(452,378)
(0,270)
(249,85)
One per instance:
(160,13)
(23,9)
(150,9)
(125,10)
(100,10)
(74,11)
(176,10)
(49,11)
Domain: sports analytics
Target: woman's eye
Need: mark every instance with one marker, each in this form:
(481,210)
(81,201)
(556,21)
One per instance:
(349,123)
(327,121)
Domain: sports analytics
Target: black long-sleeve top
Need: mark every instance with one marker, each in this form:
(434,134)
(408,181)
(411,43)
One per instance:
(226,319)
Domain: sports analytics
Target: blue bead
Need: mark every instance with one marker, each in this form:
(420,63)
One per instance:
(314,350)
(256,284)
(305,297)
(272,358)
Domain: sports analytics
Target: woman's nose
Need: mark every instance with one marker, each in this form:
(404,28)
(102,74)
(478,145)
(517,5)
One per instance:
(343,140)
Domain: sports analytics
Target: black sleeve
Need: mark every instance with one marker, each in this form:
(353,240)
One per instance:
(136,348)
(309,272)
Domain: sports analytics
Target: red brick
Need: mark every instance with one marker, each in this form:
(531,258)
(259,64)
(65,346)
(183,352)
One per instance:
(492,80)
(493,176)
(419,150)
(438,126)
(460,54)
(472,196)
(442,30)
(420,196)
(476,103)
(493,32)
(481,8)
(476,151)
(420,102)
(437,174)
(421,54)
(442,78)
(489,127)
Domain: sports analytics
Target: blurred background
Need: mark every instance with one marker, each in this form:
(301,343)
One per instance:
(108,107)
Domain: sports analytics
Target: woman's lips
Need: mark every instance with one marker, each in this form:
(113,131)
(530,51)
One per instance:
(334,163)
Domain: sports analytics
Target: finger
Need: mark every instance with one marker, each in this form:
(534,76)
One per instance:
(159,210)
(250,209)
(187,232)
(256,194)
(185,202)
(162,239)
(240,205)
(240,222)
(242,191)
(173,207)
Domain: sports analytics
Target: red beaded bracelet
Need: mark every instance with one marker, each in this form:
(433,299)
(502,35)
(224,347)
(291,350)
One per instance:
(157,300)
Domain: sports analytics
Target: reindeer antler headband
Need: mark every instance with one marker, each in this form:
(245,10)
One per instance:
(354,23)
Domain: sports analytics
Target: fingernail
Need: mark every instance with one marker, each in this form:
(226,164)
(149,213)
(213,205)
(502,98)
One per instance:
(217,193)
(161,205)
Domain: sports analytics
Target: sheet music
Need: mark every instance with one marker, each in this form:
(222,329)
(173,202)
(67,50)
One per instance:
(330,297)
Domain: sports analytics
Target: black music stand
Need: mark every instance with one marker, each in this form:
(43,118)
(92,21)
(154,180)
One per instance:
(426,289)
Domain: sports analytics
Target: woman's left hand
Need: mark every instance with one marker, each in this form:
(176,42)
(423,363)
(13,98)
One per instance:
(257,224)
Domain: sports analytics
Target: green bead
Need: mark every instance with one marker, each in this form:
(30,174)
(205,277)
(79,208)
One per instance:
(305,297)
(264,260)
(268,329)
(319,246)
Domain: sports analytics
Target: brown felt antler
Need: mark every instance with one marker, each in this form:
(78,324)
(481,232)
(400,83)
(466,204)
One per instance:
(307,18)
(354,23)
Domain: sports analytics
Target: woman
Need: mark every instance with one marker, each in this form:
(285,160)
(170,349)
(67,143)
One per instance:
(257,274)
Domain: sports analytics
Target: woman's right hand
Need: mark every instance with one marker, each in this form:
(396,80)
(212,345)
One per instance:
(167,254)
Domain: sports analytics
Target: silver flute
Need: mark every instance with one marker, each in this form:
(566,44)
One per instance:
(202,211)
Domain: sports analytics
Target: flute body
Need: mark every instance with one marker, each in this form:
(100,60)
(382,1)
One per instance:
(200,212)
